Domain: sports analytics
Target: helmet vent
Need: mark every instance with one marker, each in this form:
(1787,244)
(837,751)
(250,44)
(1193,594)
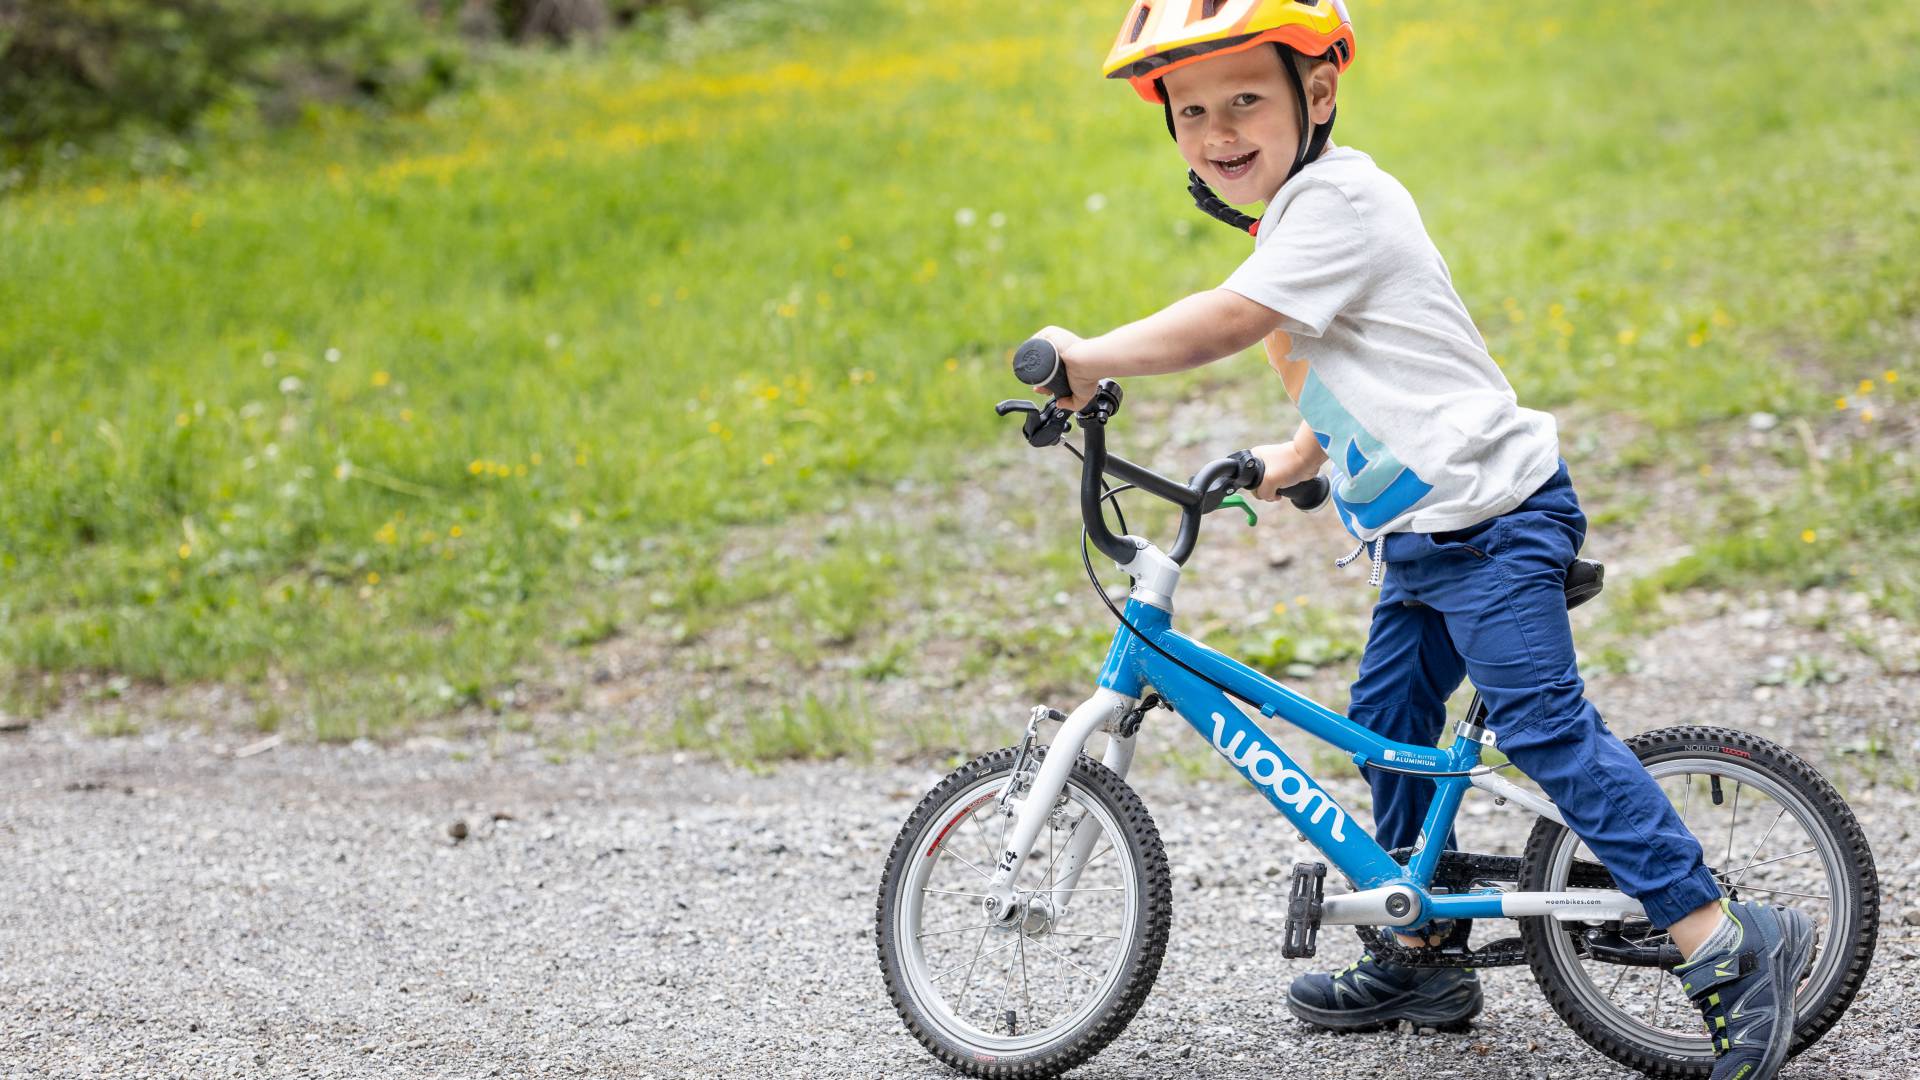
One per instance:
(1210,8)
(1139,23)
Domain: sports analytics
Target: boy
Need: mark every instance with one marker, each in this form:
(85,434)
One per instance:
(1440,476)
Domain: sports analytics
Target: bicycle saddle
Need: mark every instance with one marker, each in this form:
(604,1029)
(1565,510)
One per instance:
(1584,578)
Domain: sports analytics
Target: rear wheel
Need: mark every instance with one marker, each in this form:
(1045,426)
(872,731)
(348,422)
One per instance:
(1773,830)
(1042,994)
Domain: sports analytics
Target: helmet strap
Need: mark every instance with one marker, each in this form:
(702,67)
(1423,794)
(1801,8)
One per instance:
(1309,149)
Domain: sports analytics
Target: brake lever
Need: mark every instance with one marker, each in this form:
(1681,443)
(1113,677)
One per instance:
(1045,425)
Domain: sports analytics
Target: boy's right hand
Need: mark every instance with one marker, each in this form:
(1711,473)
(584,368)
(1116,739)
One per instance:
(1083,386)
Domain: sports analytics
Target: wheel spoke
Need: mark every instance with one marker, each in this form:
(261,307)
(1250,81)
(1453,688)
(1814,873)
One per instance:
(1787,892)
(1755,853)
(955,930)
(1775,859)
(953,892)
(963,862)
(1063,959)
(1733,821)
(1104,852)
(974,959)
(971,966)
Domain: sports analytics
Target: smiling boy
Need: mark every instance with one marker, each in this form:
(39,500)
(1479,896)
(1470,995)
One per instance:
(1457,495)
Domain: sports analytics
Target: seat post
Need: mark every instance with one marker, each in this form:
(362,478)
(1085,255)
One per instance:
(1474,724)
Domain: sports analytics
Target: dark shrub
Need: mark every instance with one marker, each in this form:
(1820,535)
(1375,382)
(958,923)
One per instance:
(70,69)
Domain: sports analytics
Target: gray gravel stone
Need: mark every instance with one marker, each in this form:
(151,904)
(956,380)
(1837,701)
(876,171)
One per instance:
(172,911)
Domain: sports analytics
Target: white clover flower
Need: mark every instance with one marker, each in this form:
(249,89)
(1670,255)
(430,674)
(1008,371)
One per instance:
(1096,202)
(964,217)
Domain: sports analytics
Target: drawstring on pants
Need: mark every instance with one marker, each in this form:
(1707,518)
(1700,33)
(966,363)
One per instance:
(1377,545)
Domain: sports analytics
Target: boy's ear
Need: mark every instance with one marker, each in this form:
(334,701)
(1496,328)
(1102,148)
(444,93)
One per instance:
(1323,82)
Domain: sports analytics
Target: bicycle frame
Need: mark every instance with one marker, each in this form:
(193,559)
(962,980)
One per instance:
(1387,892)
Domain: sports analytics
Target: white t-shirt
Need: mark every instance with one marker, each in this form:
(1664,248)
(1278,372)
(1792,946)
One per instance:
(1375,347)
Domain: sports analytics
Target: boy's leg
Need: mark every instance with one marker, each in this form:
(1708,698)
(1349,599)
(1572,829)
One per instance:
(1407,672)
(1503,598)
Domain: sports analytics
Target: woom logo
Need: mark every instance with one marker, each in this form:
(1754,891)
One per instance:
(1264,766)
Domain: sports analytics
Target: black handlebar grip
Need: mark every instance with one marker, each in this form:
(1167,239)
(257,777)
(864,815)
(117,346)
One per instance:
(1308,495)
(1037,363)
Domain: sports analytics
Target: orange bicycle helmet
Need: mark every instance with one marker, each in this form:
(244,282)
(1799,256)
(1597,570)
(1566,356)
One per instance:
(1159,36)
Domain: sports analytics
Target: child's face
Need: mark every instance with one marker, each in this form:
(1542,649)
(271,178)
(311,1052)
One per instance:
(1237,123)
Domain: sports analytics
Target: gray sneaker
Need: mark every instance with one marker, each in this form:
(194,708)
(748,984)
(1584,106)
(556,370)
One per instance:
(1367,995)
(1746,992)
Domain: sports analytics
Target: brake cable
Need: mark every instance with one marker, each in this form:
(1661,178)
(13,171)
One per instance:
(1086,560)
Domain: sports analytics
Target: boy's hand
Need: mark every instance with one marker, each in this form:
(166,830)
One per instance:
(1083,385)
(1284,469)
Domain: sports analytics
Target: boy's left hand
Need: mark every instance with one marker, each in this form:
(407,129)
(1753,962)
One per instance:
(1083,385)
(1284,469)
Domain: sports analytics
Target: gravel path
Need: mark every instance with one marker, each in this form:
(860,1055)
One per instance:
(172,910)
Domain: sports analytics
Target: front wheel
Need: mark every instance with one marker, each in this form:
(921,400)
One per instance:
(1042,994)
(1772,830)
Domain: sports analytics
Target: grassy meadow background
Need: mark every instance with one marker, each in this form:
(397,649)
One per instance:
(369,418)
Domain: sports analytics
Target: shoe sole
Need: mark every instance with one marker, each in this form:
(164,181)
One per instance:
(1793,957)
(1441,1015)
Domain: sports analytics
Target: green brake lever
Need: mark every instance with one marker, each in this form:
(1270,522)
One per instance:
(1241,502)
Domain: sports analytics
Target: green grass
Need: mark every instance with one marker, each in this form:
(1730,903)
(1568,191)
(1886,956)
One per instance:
(373,406)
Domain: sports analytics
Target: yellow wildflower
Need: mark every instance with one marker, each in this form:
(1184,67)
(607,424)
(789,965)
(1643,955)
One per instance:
(476,466)
(186,551)
(1866,387)
(519,470)
(1891,376)
(56,438)
(1627,336)
(381,378)
(846,243)
(182,420)
(767,459)
(1809,536)
(1280,607)
(1696,339)
(455,532)
(1839,404)
(373,577)
(1866,416)
(536,459)
(953,364)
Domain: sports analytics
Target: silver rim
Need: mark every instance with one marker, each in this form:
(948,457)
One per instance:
(1020,989)
(1765,843)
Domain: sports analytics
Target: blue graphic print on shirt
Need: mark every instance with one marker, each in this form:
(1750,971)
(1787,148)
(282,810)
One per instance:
(1373,486)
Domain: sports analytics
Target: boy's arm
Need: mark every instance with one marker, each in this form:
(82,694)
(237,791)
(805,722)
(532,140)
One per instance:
(1196,330)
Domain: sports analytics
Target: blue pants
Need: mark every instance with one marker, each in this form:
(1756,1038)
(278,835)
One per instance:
(1489,602)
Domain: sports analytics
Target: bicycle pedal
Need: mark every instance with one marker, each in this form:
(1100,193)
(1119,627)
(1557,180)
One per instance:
(1305,898)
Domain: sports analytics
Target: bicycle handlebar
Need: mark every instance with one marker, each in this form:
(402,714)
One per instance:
(1037,363)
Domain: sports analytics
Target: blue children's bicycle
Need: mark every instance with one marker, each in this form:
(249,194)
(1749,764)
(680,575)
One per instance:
(1026,903)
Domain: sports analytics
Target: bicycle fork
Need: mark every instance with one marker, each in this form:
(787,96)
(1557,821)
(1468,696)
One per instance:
(1101,712)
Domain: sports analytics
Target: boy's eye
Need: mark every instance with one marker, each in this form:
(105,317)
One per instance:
(1192,110)
(1246,99)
